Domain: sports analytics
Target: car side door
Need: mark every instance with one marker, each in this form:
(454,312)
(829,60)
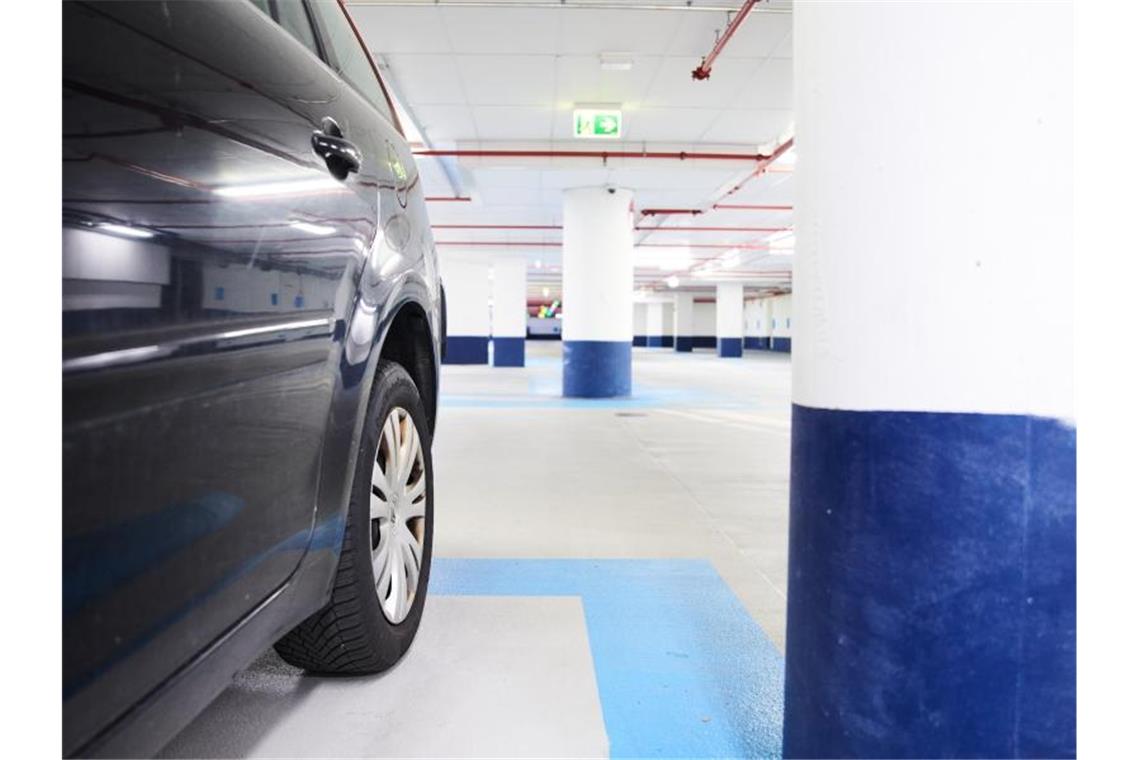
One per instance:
(211,259)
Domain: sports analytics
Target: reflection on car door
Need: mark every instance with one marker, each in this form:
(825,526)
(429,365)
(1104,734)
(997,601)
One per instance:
(210,263)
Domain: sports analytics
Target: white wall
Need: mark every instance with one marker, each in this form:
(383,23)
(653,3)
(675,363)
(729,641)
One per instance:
(639,318)
(704,319)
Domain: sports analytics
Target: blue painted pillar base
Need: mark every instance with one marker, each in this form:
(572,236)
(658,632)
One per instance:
(596,368)
(683,343)
(782,344)
(659,341)
(729,347)
(755,342)
(466,349)
(640,340)
(932,586)
(509,352)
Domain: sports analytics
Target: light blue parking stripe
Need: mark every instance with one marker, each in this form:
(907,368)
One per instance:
(682,668)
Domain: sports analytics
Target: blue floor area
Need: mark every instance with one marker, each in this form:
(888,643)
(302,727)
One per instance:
(682,668)
(544,391)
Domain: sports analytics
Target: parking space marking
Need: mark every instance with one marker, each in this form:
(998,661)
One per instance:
(682,668)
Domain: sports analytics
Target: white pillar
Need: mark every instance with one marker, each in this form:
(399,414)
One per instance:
(782,322)
(932,565)
(508,311)
(683,322)
(597,282)
(467,288)
(639,311)
(729,319)
(655,332)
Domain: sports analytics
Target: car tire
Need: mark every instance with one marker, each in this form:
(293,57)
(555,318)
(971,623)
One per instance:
(365,628)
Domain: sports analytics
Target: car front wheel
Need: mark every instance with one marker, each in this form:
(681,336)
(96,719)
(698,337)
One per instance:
(381,580)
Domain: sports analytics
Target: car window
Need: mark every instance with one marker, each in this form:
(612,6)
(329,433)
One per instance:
(352,61)
(293,17)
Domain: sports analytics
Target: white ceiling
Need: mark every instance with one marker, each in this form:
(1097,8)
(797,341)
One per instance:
(505,74)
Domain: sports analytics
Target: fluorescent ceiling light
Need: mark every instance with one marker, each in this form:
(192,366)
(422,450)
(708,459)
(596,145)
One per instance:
(288,187)
(312,229)
(122,229)
(673,281)
(616,61)
(546,292)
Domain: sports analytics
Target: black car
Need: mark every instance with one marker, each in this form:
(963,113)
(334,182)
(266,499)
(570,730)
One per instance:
(252,329)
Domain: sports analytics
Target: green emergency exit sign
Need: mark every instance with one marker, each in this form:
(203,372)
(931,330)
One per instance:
(597,123)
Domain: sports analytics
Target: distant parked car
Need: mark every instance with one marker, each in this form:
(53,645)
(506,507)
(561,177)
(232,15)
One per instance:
(252,329)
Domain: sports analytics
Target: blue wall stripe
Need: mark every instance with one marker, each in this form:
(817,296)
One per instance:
(659,341)
(932,585)
(682,668)
(466,349)
(704,341)
(729,347)
(756,342)
(596,368)
(683,343)
(509,352)
(782,344)
(640,340)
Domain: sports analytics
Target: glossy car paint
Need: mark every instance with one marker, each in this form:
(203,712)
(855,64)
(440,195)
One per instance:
(221,331)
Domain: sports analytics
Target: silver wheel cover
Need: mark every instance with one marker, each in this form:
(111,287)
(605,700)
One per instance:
(397,511)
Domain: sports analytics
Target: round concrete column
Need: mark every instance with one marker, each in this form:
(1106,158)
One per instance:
(730,319)
(465,281)
(508,311)
(931,595)
(597,283)
(683,322)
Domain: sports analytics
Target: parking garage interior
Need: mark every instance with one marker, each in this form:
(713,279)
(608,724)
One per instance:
(756,425)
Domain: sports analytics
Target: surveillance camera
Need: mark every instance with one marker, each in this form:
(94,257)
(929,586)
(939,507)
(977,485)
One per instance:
(611,190)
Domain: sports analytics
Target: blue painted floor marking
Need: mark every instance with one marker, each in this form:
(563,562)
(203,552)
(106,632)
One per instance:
(682,668)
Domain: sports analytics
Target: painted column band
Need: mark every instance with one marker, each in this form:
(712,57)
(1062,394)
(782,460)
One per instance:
(466,349)
(931,597)
(659,341)
(596,368)
(509,352)
(729,347)
(683,343)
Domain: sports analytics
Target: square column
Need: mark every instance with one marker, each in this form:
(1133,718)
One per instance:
(467,287)
(683,322)
(730,320)
(508,311)
(658,331)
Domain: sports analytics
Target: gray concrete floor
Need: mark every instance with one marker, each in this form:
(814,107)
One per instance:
(694,465)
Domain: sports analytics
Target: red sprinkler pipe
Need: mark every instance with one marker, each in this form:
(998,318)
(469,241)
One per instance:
(712,229)
(496,226)
(750,207)
(705,69)
(602,154)
(557,244)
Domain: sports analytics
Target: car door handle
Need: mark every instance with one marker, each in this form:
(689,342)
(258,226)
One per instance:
(341,156)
